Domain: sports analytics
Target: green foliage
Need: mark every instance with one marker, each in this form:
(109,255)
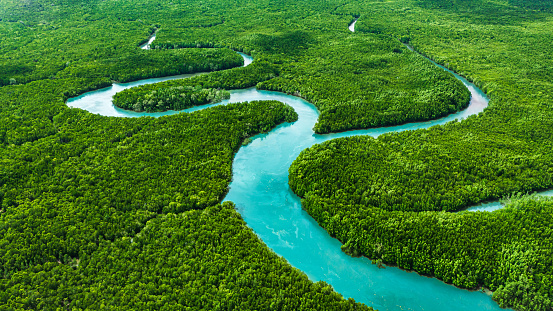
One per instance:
(389,198)
(198,260)
(355,80)
(205,87)
(172,98)
(75,188)
(149,63)
(424,170)
(105,181)
(79,192)
(58,40)
(84,225)
(507,250)
(370,81)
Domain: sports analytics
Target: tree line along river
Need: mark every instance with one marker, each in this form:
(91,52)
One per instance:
(262,196)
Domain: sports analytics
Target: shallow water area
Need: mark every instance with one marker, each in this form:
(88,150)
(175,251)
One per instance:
(496,205)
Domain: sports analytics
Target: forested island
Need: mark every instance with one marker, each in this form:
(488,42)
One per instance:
(127,213)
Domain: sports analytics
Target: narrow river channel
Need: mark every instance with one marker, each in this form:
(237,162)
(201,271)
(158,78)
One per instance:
(262,195)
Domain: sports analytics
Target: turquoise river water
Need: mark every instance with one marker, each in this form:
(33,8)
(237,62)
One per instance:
(262,196)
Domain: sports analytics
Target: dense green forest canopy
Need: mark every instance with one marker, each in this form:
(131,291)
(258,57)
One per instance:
(388,198)
(289,34)
(169,98)
(80,208)
(88,201)
(79,191)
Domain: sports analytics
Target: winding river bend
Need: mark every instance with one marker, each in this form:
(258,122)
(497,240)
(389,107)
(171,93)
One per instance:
(262,195)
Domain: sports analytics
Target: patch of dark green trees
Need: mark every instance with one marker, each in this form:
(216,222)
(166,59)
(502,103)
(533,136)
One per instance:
(90,200)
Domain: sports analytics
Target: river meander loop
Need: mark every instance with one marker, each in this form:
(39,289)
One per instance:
(261,193)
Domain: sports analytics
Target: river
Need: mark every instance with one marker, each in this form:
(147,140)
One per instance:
(262,196)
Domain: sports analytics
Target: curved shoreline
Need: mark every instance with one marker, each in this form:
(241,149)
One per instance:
(287,229)
(486,206)
(351,26)
(146,46)
(261,193)
(100,101)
